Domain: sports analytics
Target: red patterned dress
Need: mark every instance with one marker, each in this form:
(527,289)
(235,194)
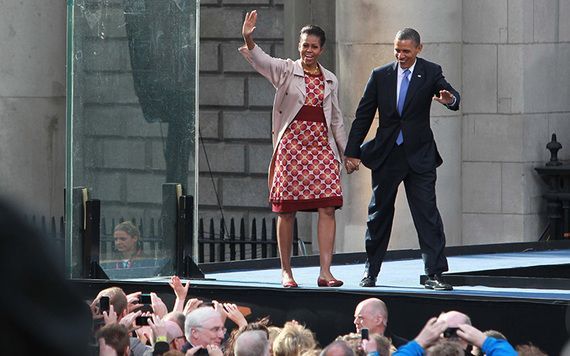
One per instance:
(307,175)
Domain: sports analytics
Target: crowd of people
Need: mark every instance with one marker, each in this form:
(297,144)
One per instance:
(141,324)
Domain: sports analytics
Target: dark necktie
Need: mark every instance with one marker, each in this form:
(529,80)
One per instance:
(401,100)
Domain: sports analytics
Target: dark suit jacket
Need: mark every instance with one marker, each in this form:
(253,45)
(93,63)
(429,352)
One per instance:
(380,94)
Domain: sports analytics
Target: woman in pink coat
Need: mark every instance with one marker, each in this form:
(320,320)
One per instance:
(308,143)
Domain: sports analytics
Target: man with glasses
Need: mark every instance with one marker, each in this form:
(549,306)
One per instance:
(204,327)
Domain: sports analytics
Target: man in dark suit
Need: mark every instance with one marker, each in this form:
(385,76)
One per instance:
(403,150)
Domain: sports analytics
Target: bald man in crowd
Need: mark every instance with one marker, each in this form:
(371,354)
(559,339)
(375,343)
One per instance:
(252,343)
(454,319)
(372,314)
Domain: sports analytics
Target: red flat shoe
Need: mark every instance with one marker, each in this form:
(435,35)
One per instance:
(321,282)
(290,284)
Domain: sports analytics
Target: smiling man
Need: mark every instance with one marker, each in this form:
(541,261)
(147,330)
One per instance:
(403,150)
(204,327)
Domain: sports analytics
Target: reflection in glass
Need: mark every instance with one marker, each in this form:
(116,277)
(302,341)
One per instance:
(132,124)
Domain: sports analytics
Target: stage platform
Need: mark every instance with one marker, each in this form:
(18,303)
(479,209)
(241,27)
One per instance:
(522,290)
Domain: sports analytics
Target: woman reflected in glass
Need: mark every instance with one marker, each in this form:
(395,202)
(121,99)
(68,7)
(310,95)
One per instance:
(128,244)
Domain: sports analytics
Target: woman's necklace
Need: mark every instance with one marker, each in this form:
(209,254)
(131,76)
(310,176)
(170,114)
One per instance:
(312,71)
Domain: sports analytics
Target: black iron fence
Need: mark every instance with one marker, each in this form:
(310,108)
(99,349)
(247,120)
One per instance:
(52,228)
(218,241)
(231,244)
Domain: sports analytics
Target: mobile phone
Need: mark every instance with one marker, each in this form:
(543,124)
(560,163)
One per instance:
(364,334)
(104,304)
(145,299)
(201,352)
(450,332)
(142,320)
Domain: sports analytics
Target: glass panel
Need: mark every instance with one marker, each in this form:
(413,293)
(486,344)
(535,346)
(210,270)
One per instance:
(132,89)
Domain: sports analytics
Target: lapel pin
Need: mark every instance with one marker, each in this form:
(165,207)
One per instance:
(419,75)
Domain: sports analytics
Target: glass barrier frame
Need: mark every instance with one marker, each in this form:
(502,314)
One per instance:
(175,74)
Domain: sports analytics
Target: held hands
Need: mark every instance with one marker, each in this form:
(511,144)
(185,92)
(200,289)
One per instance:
(351,164)
(445,97)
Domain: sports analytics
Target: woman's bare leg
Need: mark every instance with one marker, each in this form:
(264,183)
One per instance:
(326,229)
(285,223)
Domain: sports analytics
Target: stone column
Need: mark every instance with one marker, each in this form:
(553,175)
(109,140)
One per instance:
(32,104)
(365,31)
(516,78)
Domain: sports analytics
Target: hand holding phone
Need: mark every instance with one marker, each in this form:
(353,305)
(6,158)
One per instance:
(364,334)
(104,304)
(450,333)
(145,299)
(142,320)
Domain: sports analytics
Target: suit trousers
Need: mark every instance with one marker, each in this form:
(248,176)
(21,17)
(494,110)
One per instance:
(420,191)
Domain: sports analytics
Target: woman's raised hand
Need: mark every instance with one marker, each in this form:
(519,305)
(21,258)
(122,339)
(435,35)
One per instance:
(249,24)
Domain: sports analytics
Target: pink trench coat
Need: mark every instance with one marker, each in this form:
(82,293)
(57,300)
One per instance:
(287,77)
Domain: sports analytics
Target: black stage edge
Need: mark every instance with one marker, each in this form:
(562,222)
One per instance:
(329,313)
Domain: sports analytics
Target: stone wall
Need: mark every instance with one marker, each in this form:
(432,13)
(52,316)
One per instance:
(235,110)
(507,58)
(515,85)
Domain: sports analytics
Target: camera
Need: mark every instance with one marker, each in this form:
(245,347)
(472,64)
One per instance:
(450,333)
(145,299)
(142,320)
(364,334)
(202,352)
(104,304)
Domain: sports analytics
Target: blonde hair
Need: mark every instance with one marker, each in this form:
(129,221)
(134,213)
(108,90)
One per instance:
(293,340)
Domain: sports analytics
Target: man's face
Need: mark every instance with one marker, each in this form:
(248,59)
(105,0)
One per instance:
(364,319)
(178,340)
(406,52)
(211,332)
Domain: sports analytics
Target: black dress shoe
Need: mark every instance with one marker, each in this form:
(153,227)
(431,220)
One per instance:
(436,282)
(368,281)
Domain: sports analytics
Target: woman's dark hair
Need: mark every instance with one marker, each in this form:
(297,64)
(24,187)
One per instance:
(314,30)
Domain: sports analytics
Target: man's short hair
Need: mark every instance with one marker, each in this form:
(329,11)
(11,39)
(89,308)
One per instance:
(196,319)
(177,317)
(252,343)
(446,348)
(116,336)
(409,34)
(530,350)
(117,298)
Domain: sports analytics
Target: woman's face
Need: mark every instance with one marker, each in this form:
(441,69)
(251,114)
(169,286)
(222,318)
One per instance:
(124,242)
(309,49)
